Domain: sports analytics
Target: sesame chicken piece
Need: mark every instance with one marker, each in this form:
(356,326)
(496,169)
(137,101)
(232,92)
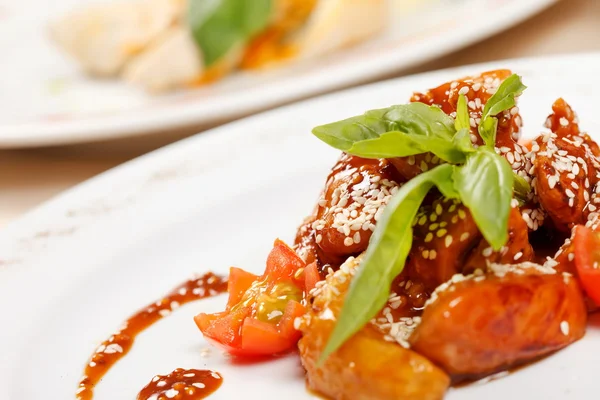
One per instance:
(444,232)
(477,89)
(305,244)
(566,170)
(517,248)
(530,309)
(354,197)
(367,357)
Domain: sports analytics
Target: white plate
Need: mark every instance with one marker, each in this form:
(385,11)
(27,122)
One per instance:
(45,100)
(74,269)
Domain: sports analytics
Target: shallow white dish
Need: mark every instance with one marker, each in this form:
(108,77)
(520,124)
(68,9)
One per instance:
(72,270)
(45,99)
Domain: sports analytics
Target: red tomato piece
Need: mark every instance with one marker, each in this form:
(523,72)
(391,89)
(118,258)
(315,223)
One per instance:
(311,276)
(587,260)
(239,282)
(259,317)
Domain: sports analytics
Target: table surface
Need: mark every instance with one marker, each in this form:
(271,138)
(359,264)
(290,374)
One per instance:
(29,177)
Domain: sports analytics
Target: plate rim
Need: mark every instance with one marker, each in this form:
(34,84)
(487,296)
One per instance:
(137,122)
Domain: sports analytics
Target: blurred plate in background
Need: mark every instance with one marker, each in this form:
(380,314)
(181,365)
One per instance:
(46,100)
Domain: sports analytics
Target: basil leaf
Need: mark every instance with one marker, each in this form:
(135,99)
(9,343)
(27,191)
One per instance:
(221,25)
(401,144)
(462,141)
(385,257)
(485,185)
(462,120)
(502,100)
(397,131)
(521,189)
(487,130)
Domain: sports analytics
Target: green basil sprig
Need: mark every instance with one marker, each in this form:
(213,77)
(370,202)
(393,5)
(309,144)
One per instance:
(397,131)
(485,187)
(481,179)
(221,25)
(502,100)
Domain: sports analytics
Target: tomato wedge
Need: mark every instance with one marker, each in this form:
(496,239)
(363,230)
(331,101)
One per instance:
(259,317)
(587,260)
(311,276)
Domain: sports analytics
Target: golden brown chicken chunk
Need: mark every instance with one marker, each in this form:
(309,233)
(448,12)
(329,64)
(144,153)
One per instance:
(355,194)
(477,89)
(444,233)
(516,250)
(482,324)
(566,170)
(367,366)
(447,242)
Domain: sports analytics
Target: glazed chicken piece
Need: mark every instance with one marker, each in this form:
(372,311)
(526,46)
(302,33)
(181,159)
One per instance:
(355,194)
(367,366)
(447,242)
(566,170)
(477,89)
(516,250)
(443,235)
(481,324)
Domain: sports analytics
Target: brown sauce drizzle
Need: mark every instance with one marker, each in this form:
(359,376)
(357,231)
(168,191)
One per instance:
(181,384)
(115,347)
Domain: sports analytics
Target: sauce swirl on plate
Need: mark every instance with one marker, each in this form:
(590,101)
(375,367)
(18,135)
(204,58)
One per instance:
(181,384)
(115,347)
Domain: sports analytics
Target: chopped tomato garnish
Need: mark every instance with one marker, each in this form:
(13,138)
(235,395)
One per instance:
(259,317)
(311,276)
(587,260)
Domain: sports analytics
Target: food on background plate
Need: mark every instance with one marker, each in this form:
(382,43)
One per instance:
(441,244)
(166,44)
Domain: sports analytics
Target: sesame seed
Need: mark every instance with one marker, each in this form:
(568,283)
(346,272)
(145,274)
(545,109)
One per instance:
(428,237)
(463,90)
(510,157)
(517,256)
(564,328)
(425,254)
(356,237)
(448,241)
(564,122)
(439,209)
(569,193)
(348,242)
(487,252)
(464,236)
(441,232)
(424,166)
(432,255)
